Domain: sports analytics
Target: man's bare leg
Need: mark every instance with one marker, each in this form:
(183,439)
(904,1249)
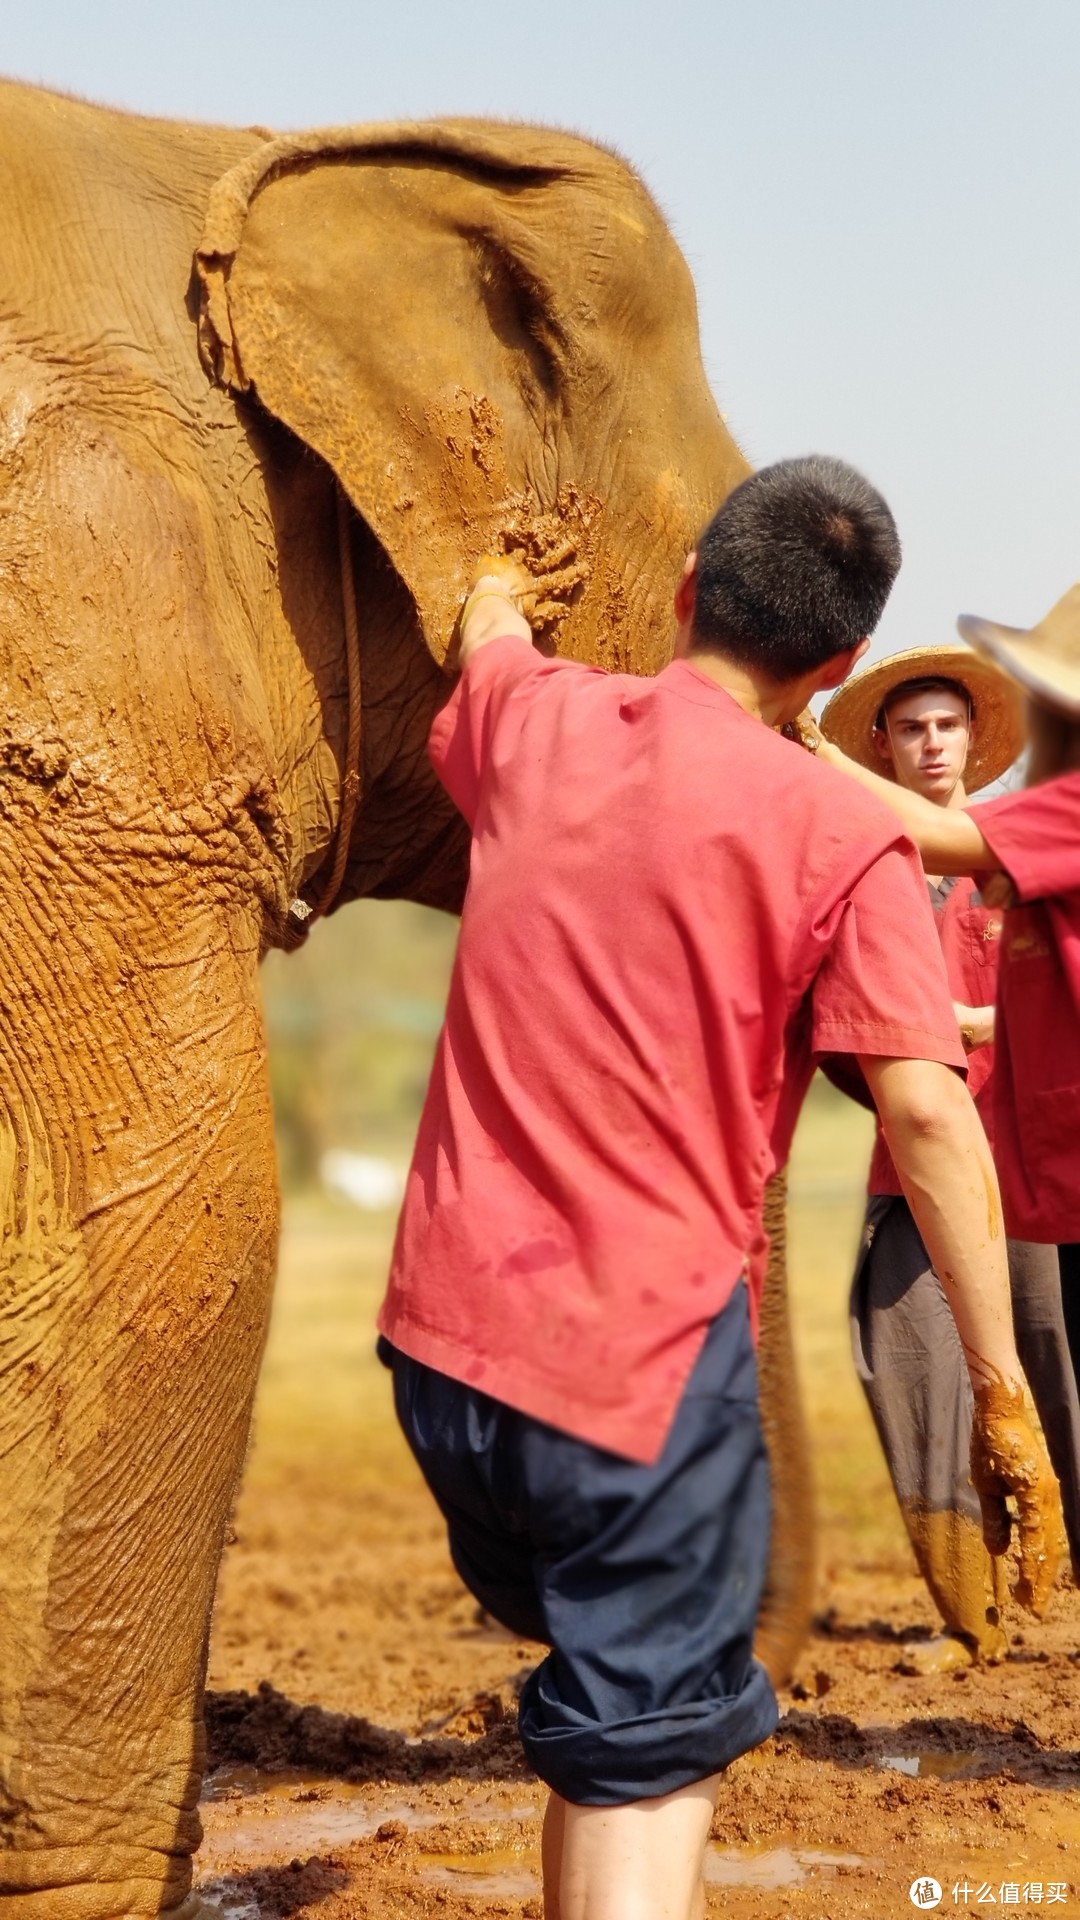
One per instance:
(638,1862)
(551,1854)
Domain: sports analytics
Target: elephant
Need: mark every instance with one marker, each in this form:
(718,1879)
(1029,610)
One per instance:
(264,401)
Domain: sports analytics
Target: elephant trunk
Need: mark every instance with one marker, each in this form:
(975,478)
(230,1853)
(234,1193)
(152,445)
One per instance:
(786,1608)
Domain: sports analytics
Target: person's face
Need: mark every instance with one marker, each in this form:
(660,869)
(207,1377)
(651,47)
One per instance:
(926,742)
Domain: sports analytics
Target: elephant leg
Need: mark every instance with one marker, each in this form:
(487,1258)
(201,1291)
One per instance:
(786,1608)
(138,1223)
(911,1364)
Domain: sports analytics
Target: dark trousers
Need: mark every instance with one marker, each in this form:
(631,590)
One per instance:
(1069,1257)
(643,1579)
(911,1364)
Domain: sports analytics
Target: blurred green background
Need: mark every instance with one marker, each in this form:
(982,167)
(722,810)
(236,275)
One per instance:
(353,1018)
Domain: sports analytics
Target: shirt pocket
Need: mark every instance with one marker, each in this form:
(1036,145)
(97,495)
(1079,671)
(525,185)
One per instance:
(984,946)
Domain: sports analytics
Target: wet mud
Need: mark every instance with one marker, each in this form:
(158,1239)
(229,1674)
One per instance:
(267,1732)
(967,1585)
(874,1777)
(1008,1458)
(361,1714)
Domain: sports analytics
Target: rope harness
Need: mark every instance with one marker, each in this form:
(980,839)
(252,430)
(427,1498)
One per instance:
(303,913)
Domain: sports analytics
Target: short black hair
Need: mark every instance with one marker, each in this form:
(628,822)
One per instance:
(797,565)
(926,683)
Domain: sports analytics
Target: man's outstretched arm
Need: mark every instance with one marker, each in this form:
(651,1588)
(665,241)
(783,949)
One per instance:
(942,1156)
(948,839)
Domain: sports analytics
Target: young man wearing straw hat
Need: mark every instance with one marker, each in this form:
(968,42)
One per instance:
(1029,845)
(941,722)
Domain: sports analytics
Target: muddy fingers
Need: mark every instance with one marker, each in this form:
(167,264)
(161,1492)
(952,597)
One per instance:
(996,1521)
(505,570)
(555,556)
(557,590)
(804,730)
(1008,1461)
(544,613)
(556,569)
(541,586)
(562,580)
(1041,1541)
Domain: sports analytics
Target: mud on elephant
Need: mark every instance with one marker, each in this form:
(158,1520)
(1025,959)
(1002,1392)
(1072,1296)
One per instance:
(485,337)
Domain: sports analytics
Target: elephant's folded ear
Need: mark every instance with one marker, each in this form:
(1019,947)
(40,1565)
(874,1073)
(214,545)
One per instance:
(351,282)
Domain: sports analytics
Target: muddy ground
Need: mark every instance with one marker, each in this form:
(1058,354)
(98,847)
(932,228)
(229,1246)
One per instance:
(362,1711)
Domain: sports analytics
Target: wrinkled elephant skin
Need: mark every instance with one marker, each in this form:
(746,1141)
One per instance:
(486,335)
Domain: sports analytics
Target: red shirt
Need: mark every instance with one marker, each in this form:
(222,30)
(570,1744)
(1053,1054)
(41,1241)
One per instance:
(971,943)
(1036,837)
(668,904)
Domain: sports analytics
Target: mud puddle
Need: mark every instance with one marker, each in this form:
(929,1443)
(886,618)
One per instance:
(253,1817)
(258,1826)
(508,1874)
(502,1874)
(771,1866)
(231,1903)
(233,1783)
(933,1766)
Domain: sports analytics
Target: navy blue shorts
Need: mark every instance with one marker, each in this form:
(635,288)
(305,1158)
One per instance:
(645,1581)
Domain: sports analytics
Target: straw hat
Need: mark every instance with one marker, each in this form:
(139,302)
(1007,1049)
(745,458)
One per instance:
(848,720)
(1045,659)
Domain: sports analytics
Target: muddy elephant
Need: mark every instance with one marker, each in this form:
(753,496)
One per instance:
(263,402)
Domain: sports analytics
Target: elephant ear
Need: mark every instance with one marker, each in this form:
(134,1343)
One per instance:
(360,285)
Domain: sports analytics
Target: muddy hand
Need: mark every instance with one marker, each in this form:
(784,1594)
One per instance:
(553,577)
(498,572)
(804,730)
(1008,1460)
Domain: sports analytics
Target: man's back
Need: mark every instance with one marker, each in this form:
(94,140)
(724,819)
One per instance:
(657,883)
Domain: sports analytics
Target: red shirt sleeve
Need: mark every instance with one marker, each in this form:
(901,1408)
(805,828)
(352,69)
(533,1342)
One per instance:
(882,988)
(461,733)
(1035,835)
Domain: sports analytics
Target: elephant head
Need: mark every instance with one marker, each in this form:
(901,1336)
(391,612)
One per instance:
(490,336)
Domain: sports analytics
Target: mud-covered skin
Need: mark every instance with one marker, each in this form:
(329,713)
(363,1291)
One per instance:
(784,1621)
(496,349)
(141,850)
(1008,1460)
(968,1588)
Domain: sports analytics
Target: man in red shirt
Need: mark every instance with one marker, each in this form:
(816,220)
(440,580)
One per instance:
(1029,845)
(942,722)
(671,912)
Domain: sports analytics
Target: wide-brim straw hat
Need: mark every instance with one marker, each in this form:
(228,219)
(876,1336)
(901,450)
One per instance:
(997,706)
(1045,659)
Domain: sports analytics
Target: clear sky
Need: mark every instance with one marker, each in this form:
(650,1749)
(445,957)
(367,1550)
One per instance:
(879,203)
